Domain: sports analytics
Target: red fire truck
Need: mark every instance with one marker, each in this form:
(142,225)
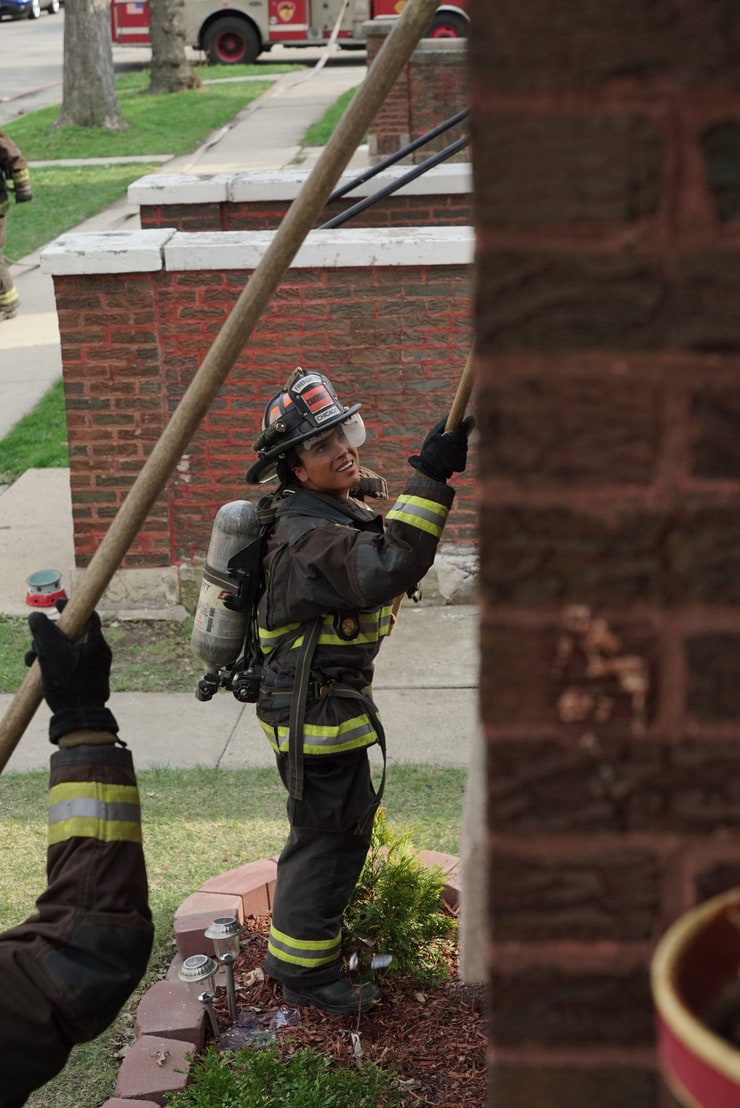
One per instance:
(234,32)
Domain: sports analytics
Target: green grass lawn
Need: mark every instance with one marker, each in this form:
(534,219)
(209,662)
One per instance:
(165,123)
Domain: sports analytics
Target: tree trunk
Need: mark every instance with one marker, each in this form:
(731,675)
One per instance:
(89,82)
(170,69)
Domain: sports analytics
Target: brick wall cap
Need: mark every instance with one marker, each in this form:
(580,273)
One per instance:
(188,188)
(285,184)
(341,248)
(272,185)
(106,252)
(436,50)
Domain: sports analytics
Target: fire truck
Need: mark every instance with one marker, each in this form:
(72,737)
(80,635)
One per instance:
(232,32)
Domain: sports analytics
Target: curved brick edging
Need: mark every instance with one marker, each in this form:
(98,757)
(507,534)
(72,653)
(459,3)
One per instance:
(170,1025)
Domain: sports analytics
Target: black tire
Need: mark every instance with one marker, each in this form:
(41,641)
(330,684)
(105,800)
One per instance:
(35,10)
(54,7)
(231,41)
(447,25)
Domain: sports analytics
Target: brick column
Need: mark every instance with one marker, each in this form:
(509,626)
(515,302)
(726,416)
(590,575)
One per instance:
(607,192)
(431,89)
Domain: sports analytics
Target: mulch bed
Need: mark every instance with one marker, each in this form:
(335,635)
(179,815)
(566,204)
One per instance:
(433,1038)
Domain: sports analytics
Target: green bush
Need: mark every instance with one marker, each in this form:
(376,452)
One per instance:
(397,909)
(263,1079)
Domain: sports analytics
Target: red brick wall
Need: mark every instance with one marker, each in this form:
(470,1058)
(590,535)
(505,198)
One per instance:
(432,88)
(394,338)
(393,211)
(607,194)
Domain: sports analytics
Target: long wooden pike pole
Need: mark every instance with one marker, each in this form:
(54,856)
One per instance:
(244,316)
(454,419)
(462,396)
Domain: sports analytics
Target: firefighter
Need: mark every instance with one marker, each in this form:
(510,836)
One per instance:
(332,570)
(13,168)
(70,967)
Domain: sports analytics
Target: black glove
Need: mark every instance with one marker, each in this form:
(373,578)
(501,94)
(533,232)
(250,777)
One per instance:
(444,452)
(75,676)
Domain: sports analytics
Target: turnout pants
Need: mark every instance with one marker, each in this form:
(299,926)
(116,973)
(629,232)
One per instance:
(8,294)
(317,871)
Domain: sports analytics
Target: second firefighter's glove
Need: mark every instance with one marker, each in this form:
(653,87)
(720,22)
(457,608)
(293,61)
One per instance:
(444,452)
(75,678)
(22,186)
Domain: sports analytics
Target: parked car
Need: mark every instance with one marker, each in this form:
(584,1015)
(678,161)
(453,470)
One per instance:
(15,9)
(39,6)
(28,9)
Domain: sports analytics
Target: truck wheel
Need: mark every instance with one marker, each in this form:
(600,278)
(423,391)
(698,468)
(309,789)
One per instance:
(231,41)
(447,25)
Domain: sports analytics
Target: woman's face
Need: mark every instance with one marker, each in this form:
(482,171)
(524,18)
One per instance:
(328,464)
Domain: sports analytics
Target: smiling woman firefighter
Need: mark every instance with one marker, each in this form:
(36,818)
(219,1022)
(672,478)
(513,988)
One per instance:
(331,570)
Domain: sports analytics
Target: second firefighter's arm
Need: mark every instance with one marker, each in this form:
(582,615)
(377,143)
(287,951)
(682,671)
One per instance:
(70,967)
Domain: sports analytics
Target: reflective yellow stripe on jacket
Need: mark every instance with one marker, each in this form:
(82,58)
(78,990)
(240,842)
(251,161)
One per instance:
(417,511)
(351,734)
(92,810)
(374,626)
(303,952)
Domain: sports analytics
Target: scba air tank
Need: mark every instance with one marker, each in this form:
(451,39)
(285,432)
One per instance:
(218,631)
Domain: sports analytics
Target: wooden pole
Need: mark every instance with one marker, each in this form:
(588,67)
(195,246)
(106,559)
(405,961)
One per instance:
(454,419)
(228,344)
(462,396)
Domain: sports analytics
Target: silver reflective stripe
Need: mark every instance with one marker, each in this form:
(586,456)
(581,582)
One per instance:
(86,807)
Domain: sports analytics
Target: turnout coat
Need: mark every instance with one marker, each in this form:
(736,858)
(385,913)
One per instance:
(332,559)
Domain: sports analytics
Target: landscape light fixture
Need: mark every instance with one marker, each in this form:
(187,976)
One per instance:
(197,972)
(224,933)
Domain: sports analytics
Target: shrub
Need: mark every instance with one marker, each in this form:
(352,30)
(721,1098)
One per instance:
(397,909)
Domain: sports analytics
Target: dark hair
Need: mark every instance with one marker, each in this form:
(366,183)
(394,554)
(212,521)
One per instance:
(285,467)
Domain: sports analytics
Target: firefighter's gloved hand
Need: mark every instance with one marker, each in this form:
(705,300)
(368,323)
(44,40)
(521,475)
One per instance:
(444,452)
(22,187)
(76,680)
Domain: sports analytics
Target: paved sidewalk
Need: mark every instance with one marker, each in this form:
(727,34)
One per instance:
(425,687)
(427,671)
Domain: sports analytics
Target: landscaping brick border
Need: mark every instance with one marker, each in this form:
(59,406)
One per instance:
(170,1025)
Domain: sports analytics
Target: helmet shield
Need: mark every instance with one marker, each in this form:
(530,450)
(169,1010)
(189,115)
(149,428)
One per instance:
(307,406)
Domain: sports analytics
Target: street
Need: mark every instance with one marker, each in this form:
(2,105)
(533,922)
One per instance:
(32,52)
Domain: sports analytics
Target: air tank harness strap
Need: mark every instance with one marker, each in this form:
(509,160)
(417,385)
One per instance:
(298,716)
(298,708)
(336,688)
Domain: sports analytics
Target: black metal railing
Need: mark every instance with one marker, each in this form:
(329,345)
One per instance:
(411,175)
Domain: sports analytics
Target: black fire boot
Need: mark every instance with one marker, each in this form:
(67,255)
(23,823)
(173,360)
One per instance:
(340,997)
